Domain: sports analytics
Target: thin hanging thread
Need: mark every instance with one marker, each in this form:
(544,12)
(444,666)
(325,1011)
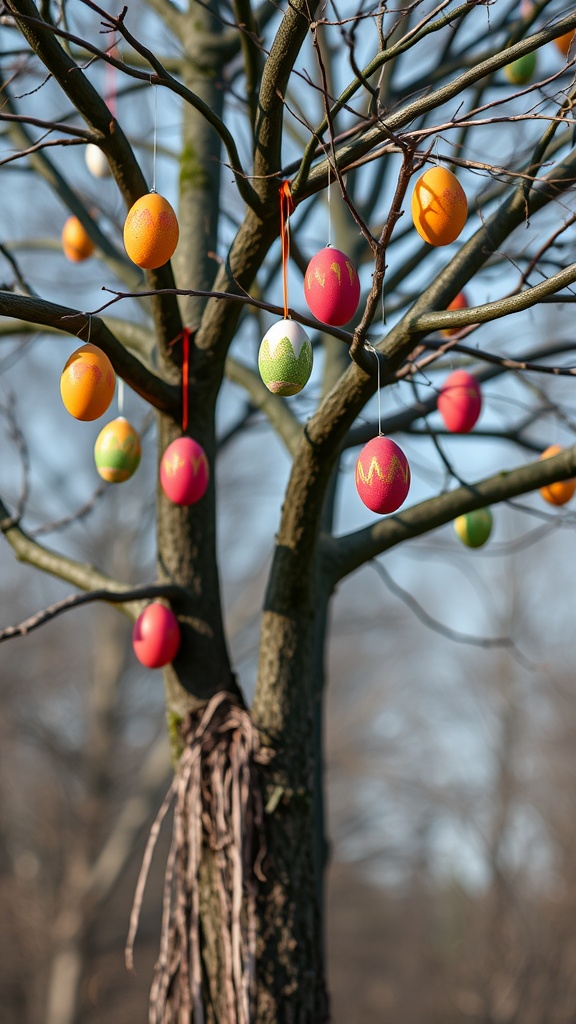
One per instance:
(154,132)
(89,318)
(110,77)
(377,357)
(286,208)
(329,207)
(120,396)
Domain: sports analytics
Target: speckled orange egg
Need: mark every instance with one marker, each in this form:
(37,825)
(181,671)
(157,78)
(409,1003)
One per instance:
(87,383)
(439,206)
(151,231)
(561,491)
(459,302)
(564,43)
(76,241)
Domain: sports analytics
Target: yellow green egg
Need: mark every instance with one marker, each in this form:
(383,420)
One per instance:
(117,451)
(521,71)
(474,528)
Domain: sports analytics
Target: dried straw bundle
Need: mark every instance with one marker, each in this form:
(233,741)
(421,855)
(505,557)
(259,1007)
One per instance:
(218,823)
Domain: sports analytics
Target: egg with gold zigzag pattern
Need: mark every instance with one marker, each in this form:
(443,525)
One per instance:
(382,475)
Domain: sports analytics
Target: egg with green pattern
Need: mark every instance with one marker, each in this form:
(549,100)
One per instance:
(117,451)
(285,358)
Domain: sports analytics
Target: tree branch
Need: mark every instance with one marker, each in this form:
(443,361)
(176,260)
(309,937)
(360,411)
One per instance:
(117,597)
(348,552)
(162,396)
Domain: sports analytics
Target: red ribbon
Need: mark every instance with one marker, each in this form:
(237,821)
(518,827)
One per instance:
(286,208)
(185,334)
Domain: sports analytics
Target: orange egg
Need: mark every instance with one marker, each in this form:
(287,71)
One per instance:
(560,492)
(564,42)
(76,241)
(87,383)
(439,206)
(151,231)
(460,302)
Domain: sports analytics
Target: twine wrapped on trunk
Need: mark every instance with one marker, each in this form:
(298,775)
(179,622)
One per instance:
(218,816)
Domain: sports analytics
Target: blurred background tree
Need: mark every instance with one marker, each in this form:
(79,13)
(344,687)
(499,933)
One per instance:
(447,731)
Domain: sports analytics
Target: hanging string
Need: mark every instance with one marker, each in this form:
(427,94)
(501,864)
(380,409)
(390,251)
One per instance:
(110,77)
(377,357)
(329,208)
(89,318)
(155,120)
(286,208)
(185,334)
(120,396)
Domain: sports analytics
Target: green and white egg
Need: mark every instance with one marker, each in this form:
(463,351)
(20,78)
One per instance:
(285,358)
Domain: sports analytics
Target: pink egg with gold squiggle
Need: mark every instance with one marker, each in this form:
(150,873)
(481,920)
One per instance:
(382,475)
(184,471)
(331,287)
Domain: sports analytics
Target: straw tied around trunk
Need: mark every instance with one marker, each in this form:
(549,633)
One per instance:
(218,826)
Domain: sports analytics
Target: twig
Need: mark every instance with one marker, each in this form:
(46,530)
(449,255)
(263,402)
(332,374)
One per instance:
(166,590)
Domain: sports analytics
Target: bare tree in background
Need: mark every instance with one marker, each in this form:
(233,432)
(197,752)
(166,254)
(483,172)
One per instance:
(365,99)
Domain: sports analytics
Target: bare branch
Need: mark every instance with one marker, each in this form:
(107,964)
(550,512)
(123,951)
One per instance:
(350,551)
(118,597)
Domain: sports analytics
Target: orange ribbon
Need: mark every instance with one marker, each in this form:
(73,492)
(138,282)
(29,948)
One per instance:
(286,208)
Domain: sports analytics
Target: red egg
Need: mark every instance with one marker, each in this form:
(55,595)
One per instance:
(156,636)
(382,475)
(331,287)
(460,401)
(184,471)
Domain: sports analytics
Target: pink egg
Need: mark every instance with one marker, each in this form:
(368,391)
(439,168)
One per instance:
(184,471)
(460,401)
(156,636)
(331,287)
(382,475)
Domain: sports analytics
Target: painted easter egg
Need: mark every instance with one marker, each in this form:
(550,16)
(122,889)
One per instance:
(156,636)
(184,471)
(87,383)
(561,491)
(331,287)
(459,302)
(564,43)
(285,358)
(76,242)
(96,161)
(521,70)
(474,528)
(382,475)
(439,206)
(117,451)
(151,231)
(460,401)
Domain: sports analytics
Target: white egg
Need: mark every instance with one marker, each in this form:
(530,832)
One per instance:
(96,162)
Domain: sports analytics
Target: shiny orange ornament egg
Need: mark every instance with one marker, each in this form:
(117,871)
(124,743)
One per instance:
(561,491)
(439,206)
(564,43)
(87,383)
(76,241)
(459,302)
(151,231)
